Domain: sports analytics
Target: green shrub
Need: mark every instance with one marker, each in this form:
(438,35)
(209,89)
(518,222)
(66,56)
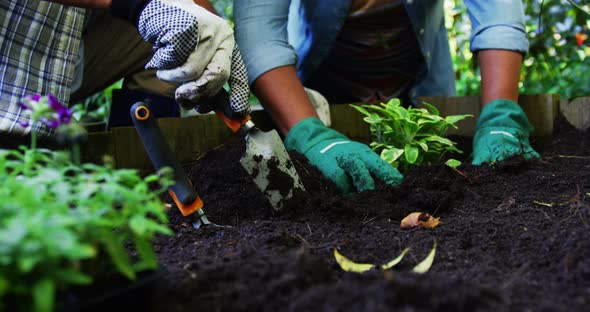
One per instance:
(64,223)
(417,134)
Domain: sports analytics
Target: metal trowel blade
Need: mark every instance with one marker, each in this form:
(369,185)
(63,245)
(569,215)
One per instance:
(266,160)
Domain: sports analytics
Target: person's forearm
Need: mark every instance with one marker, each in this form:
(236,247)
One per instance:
(281,93)
(500,74)
(102,4)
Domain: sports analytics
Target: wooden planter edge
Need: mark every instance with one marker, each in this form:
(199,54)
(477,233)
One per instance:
(193,136)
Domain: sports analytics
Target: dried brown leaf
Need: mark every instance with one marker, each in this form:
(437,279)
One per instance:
(422,219)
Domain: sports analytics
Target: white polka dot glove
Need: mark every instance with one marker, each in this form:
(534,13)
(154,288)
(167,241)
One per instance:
(193,48)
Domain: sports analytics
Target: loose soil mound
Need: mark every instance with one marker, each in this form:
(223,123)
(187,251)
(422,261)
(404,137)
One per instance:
(513,237)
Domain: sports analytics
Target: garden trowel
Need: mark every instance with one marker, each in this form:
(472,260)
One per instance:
(265,159)
(182,192)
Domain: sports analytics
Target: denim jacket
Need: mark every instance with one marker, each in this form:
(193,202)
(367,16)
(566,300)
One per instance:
(275,33)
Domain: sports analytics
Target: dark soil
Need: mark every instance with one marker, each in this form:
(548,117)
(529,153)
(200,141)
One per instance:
(513,238)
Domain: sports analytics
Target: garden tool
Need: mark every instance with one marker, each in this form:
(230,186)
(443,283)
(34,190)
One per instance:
(182,192)
(266,160)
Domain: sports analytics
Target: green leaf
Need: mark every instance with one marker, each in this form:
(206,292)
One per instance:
(146,253)
(425,265)
(410,128)
(43,295)
(395,261)
(392,154)
(118,255)
(26,264)
(423,145)
(73,277)
(155,227)
(152,178)
(138,225)
(393,104)
(361,109)
(453,163)
(433,110)
(411,153)
(436,138)
(4,286)
(373,119)
(455,118)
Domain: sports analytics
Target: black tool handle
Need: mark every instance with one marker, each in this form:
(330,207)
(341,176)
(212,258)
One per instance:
(160,153)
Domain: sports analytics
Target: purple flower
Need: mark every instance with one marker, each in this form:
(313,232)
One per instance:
(36,97)
(51,123)
(47,109)
(23,124)
(64,115)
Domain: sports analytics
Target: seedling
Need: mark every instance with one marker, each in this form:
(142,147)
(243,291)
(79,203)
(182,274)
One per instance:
(453,164)
(409,136)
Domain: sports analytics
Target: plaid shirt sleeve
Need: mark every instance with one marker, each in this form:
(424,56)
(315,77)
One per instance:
(39,42)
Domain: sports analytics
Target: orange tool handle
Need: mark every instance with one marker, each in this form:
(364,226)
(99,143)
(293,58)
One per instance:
(232,124)
(189,209)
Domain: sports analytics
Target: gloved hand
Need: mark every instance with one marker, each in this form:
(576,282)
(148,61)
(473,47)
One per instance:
(192,47)
(502,131)
(347,163)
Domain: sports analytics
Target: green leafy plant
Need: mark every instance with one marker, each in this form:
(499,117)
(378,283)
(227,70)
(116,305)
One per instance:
(409,136)
(62,223)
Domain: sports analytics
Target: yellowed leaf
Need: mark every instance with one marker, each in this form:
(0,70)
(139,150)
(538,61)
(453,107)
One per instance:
(425,265)
(542,203)
(422,219)
(350,266)
(395,261)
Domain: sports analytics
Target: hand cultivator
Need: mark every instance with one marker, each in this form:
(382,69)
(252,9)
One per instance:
(184,195)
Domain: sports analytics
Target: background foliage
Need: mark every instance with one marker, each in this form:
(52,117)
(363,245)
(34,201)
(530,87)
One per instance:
(556,60)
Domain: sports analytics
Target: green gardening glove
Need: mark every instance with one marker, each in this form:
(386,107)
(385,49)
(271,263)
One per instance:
(502,131)
(347,163)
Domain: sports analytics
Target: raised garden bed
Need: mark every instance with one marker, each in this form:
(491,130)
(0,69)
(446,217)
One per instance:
(513,239)
(193,136)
